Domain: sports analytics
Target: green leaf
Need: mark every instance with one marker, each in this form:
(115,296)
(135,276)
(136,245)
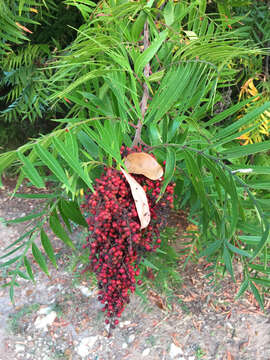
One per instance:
(28,268)
(169,169)
(9,262)
(105,142)
(25,218)
(59,230)
(263,241)
(40,259)
(6,159)
(234,202)
(12,251)
(36,196)
(226,113)
(28,233)
(149,264)
(260,268)
(82,79)
(31,172)
(11,293)
(71,144)
(261,185)
(46,243)
(235,126)
(157,76)
(218,174)
(240,151)
(237,250)
(228,262)
(138,25)
(150,52)
(52,164)
(64,217)
(261,281)
(22,274)
(174,126)
(256,294)
(212,248)
(154,134)
(72,161)
(169,13)
(72,211)
(196,177)
(242,288)
(88,144)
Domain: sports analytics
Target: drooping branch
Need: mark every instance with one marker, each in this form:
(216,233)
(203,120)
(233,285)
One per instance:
(145,97)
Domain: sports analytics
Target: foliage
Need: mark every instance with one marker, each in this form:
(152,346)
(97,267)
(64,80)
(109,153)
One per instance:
(35,35)
(103,77)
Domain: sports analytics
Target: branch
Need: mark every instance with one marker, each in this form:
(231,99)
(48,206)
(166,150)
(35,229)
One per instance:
(145,97)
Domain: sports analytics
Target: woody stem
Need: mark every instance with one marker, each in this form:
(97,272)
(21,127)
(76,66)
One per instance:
(145,97)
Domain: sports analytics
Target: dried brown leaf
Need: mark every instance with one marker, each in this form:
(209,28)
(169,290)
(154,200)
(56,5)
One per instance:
(140,200)
(143,164)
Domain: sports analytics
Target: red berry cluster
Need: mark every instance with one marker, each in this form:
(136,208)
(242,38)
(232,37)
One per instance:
(115,240)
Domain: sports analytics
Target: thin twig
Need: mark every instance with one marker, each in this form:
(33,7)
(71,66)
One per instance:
(145,97)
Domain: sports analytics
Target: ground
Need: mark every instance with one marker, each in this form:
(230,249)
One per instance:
(59,316)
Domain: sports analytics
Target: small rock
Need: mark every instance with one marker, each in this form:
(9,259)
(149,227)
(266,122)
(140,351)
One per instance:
(131,338)
(146,352)
(44,322)
(175,350)
(85,346)
(19,348)
(85,291)
(124,345)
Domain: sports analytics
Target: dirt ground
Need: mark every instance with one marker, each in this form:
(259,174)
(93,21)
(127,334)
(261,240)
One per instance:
(59,317)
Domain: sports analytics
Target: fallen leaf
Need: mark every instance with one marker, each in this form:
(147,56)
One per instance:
(143,164)
(140,200)
(157,300)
